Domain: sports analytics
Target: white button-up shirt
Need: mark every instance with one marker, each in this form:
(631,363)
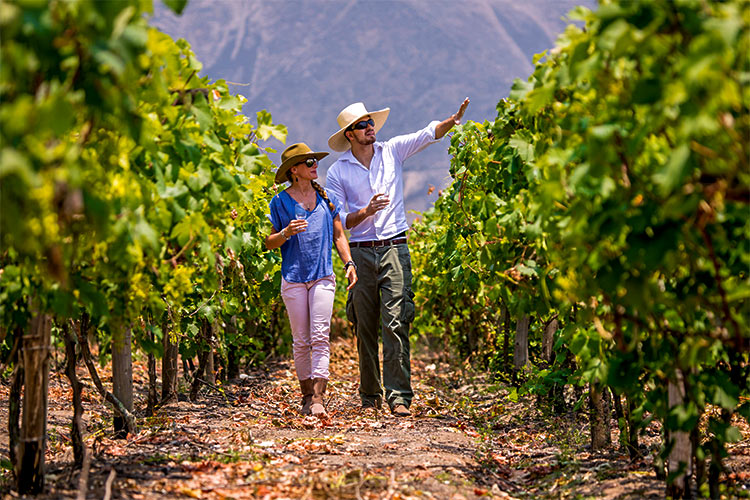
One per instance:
(355,185)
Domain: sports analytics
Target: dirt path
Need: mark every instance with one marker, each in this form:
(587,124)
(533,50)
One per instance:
(246,440)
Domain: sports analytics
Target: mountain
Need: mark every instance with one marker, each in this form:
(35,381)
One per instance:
(305,60)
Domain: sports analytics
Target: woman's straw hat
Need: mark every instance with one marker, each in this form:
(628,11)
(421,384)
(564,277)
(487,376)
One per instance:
(294,154)
(351,115)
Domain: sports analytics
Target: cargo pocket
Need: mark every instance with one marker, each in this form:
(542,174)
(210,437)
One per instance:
(350,314)
(407,311)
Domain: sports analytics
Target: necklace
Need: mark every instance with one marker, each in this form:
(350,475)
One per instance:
(304,199)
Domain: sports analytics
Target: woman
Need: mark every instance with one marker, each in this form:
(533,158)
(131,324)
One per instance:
(306,224)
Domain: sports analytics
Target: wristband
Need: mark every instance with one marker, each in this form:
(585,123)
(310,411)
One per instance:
(350,263)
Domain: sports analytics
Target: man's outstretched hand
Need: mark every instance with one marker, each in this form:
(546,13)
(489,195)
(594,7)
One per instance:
(444,126)
(460,114)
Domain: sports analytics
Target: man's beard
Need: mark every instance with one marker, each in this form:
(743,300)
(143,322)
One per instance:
(366,140)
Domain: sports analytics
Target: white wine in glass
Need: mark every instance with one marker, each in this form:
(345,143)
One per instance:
(300,212)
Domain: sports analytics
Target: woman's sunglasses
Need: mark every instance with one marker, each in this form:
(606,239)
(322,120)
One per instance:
(362,125)
(310,162)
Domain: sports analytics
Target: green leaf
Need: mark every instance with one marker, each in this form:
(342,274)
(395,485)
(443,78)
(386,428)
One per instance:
(12,162)
(266,129)
(647,91)
(528,269)
(722,392)
(188,228)
(538,57)
(230,103)
(177,6)
(122,20)
(202,112)
(109,60)
(156,346)
(520,88)
(672,174)
(234,242)
(174,191)
(146,235)
(523,148)
(199,179)
(540,97)
(513,395)
(740,292)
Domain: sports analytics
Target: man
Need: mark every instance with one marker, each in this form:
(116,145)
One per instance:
(368,181)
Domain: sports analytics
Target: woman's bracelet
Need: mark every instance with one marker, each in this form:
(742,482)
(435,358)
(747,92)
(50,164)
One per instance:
(283,233)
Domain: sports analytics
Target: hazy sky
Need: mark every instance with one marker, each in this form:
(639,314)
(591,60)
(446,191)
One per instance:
(305,60)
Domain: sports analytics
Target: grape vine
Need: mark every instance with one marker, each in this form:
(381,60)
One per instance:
(612,193)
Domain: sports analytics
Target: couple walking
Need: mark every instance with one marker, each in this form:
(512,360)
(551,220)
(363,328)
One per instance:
(364,194)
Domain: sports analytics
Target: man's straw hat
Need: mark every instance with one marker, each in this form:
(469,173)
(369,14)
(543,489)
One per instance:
(351,115)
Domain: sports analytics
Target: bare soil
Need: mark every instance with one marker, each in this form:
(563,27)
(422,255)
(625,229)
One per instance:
(246,440)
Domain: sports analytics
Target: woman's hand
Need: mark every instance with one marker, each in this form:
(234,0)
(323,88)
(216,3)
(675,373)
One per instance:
(342,245)
(276,240)
(296,226)
(351,275)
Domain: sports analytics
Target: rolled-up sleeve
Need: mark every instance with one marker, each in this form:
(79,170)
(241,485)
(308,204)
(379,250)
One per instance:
(274,214)
(410,144)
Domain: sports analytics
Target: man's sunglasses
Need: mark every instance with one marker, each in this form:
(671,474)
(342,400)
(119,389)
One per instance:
(362,125)
(310,162)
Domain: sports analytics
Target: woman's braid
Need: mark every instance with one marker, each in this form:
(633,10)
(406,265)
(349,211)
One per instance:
(317,187)
(322,192)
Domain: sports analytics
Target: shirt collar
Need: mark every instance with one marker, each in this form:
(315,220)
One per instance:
(349,156)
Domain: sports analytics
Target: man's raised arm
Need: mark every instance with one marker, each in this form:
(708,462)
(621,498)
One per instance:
(444,126)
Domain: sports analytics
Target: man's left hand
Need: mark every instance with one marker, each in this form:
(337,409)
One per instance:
(460,114)
(351,275)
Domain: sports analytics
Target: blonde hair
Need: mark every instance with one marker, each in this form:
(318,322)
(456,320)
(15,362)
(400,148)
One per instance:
(322,192)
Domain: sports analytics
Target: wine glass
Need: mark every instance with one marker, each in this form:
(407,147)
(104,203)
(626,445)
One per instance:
(300,212)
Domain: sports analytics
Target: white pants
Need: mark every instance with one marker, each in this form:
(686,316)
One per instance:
(309,306)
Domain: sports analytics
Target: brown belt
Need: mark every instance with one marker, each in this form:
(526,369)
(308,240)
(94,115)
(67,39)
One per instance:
(396,240)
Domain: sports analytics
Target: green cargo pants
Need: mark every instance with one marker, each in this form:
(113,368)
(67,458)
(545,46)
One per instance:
(382,303)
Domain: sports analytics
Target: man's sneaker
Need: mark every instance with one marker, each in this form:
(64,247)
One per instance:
(400,411)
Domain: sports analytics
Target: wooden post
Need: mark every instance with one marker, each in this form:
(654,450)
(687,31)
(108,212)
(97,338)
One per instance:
(205,332)
(210,375)
(601,435)
(122,375)
(521,352)
(76,437)
(152,400)
(679,464)
(168,364)
(120,408)
(233,359)
(548,340)
(633,426)
(14,403)
(36,346)
(210,368)
(506,336)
